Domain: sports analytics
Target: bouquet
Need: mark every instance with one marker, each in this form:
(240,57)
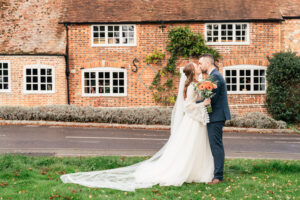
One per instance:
(205,88)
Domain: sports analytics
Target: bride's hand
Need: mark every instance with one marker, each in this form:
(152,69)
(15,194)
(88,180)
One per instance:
(206,102)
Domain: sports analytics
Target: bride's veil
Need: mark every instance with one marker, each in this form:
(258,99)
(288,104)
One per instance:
(124,178)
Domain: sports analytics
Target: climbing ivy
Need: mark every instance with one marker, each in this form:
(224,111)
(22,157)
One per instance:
(182,42)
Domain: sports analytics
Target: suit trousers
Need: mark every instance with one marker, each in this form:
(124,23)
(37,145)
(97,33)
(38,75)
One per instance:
(215,135)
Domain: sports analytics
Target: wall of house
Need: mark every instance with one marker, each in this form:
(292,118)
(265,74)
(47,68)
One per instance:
(17,97)
(264,41)
(290,35)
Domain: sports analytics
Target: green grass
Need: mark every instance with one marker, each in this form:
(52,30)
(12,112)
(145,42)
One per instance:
(24,177)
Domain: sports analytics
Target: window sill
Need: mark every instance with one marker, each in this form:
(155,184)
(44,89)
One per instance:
(247,92)
(104,95)
(228,44)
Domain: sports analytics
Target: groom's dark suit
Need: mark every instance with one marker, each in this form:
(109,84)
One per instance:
(220,113)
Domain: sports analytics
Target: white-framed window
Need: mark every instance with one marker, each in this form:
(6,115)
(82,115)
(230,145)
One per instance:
(227,33)
(104,81)
(114,35)
(245,79)
(39,79)
(5,83)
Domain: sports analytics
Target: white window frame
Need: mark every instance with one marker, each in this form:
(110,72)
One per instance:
(104,69)
(39,67)
(246,67)
(247,42)
(106,38)
(9,76)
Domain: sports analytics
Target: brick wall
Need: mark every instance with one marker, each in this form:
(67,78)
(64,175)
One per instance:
(264,40)
(17,98)
(290,35)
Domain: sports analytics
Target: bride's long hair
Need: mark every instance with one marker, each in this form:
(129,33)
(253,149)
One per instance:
(189,71)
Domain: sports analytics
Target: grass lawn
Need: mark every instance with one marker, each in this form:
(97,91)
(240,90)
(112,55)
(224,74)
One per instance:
(25,177)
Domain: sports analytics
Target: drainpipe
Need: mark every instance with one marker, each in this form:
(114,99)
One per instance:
(67,63)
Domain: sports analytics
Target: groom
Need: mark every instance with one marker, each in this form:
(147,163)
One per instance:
(220,113)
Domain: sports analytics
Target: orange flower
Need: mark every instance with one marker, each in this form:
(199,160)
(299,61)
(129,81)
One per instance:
(214,86)
(209,87)
(201,87)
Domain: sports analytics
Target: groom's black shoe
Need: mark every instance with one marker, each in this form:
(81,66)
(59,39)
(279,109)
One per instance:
(214,182)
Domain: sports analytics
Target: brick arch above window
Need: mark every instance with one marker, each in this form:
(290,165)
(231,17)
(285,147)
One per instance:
(232,62)
(245,79)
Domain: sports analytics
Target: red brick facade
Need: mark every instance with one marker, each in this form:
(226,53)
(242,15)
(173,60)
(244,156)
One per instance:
(17,97)
(264,41)
(48,37)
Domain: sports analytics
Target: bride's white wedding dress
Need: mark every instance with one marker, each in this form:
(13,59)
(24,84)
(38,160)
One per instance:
(186,157)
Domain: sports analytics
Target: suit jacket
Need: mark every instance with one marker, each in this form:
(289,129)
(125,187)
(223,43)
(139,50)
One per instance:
(219,102)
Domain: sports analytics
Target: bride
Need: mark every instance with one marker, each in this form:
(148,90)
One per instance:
(186,157)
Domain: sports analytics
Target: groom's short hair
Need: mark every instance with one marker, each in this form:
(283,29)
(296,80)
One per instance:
(209,56)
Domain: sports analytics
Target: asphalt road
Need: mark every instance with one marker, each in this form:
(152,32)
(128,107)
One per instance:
(69,141)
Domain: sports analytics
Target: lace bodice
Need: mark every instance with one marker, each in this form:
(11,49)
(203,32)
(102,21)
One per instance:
(196,111)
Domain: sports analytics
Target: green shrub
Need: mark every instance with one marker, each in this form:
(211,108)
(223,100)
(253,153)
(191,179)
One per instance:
(283,92)
(71,113)
(142,115)
(155,57)
(255,120)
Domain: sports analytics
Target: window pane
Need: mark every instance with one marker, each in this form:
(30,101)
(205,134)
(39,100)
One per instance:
(34,71)
(227,72)
(227,80)
(49,87)
(233,80)
(100,74)
(49,72)
(115,82)
(43,86)
(35,86)
(28,87)
(107,82)
(121,82)
(28,71)
(35,79)
(121,90)
(234,88)
(107,75)
(95,28)
(49,79)
(107,90)
(115,90)
(121,74)
(115,74)
(28,79)
(101,90)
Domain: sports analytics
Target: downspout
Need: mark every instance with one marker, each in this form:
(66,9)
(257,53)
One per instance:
(67,63)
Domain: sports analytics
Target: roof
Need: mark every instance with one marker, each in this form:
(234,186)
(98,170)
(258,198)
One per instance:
(113,11)
(290,8)
(31,27)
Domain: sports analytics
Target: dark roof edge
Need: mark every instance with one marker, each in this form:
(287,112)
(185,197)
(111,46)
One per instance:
(37,54)
(291,17)
(178,21)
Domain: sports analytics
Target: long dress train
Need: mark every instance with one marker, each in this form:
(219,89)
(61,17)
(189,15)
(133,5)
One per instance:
(186,157)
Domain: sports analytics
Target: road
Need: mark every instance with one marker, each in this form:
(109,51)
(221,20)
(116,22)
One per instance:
(69,141)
